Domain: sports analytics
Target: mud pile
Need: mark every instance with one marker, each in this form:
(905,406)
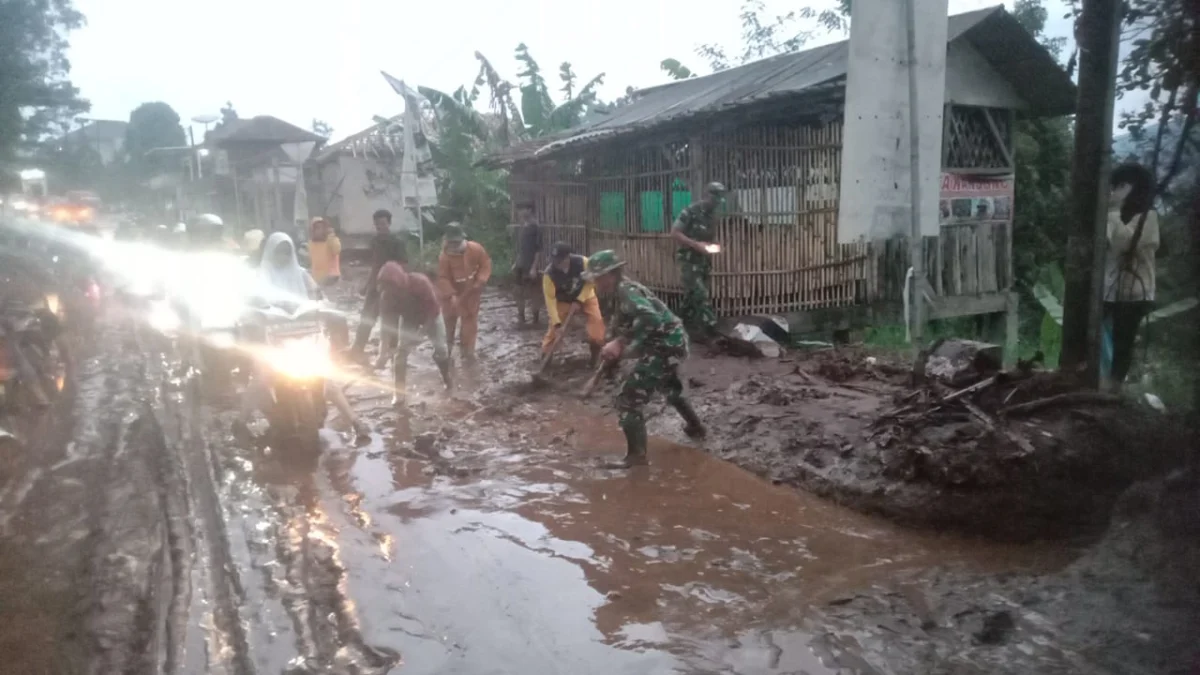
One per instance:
(1017,455)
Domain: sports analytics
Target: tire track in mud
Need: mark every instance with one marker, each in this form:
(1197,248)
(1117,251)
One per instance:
(208,593)
(272,581)
(135,566)
(308,545)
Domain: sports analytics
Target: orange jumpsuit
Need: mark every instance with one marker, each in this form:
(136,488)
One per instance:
(461,278)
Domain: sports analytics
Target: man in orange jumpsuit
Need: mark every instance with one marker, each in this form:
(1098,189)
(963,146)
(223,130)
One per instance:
(564,286)
(464,268)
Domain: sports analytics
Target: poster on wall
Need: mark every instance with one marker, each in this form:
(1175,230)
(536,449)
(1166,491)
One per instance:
(971,199)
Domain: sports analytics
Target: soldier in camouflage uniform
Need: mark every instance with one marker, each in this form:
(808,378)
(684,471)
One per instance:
(644,329)
(693,232)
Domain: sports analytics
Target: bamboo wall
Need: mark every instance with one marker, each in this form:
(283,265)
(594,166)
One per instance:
(778,231)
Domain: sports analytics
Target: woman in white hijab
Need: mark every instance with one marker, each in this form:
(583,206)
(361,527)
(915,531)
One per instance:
(280,277)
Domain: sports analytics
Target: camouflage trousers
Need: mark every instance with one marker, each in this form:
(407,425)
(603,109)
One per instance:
(696,309)
(653,372)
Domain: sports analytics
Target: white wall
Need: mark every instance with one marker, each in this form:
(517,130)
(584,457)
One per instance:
(971,80)
(359,197)
(875,185)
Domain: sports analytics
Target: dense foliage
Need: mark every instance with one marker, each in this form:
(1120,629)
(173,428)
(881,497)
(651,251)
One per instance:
(36,96)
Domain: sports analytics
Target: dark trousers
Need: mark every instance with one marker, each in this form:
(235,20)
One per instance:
(527,293)
(1125,316)
(366,323)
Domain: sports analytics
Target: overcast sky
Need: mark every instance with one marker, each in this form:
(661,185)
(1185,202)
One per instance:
(304,60)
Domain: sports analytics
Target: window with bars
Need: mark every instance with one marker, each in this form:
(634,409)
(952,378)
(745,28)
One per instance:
(977,138)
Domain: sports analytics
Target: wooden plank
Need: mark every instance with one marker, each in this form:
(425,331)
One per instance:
(955,261)
(1001,141)
(1012,326)
(953,306)
(947,114)
(986,257)
(970,263)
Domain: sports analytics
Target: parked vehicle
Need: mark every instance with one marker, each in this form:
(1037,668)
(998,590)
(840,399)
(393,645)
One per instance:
(32,356)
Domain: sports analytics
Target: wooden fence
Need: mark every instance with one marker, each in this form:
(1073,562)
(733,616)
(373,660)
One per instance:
(778,230)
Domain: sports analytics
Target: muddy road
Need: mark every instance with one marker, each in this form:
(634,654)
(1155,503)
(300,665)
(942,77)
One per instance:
(475,534)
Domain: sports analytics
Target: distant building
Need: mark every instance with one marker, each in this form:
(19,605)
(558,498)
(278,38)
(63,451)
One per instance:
(105,137)
(350,179)
(256,167)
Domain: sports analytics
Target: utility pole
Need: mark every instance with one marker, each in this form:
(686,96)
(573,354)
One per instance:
(915,239)
(1098,33)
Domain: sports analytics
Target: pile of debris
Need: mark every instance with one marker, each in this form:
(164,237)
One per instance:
(960,381)
(1037,448)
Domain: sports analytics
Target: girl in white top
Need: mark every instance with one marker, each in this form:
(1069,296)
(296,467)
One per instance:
(1129,271)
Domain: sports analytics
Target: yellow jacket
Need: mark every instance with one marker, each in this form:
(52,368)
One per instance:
(553,279)
(325,257)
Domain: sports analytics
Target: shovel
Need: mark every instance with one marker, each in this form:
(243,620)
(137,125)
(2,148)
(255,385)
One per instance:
(603,368)
(539,376)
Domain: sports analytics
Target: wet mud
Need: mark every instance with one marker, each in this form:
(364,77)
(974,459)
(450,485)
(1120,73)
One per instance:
(475,533)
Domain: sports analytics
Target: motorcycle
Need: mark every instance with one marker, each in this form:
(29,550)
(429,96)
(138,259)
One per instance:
(32,356)
(85,298)
(294,354)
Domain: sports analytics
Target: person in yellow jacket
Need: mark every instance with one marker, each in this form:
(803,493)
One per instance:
(563,285)
(324,252)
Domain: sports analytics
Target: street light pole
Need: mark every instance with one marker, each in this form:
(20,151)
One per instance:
(195,164)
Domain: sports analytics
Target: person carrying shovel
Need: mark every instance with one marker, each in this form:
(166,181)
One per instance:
(567,294)
(464,268)
(646,330)
(411,298)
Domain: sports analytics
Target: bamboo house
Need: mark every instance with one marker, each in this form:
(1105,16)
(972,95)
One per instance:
(771,131)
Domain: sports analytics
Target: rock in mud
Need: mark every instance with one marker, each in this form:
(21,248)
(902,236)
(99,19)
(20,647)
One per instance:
(996,628)
(958,362)
(424,442)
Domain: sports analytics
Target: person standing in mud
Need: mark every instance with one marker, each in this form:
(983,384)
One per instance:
(528,263)
(693,233)
(410,299)
(563,286)
(464,268)
(385,247)
(646,330)
(325,253)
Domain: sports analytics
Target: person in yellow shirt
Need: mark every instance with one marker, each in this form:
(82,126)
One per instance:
(324,252)
(563,285)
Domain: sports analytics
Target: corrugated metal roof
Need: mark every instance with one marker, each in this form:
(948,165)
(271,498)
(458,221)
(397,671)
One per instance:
(999,37)
(377,139)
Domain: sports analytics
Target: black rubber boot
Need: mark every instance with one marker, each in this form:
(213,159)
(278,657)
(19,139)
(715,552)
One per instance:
(635,452)
(693,427)
(595,355)
(447,375)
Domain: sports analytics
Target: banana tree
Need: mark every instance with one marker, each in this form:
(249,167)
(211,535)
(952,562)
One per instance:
(464,134)
(535,113)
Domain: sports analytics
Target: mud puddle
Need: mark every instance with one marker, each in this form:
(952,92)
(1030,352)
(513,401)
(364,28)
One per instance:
(475,534)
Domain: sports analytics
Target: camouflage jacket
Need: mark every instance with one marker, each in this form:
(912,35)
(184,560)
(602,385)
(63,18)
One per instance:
(698,221)
(645,323)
